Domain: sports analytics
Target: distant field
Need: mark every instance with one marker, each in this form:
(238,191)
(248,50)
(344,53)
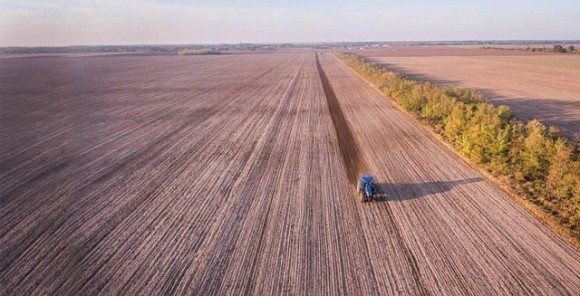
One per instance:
(546,87)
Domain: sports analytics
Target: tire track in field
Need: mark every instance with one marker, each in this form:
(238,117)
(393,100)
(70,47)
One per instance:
(179,166)
(10,255)
(409,256)
(81,201)
(143,156)
(198,117)
(212,277)
(349,149)
(356,164)
(71,174)
(284,107)
(347,144)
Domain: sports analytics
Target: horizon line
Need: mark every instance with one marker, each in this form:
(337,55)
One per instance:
(298,43)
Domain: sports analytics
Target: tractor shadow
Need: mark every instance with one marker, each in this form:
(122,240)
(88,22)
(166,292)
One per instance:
(407,191)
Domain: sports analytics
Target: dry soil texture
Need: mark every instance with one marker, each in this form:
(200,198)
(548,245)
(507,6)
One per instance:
(546,87)
(233,175)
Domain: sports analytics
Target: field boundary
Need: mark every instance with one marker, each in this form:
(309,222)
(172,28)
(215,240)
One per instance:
(540,214)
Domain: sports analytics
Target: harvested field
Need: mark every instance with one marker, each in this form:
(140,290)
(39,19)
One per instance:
(545,87)
(234,175)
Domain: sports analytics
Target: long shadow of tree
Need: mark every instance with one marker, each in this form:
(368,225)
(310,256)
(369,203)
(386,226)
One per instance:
(407,191)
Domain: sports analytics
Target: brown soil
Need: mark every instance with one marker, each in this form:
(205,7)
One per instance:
(542,87)
(230,175)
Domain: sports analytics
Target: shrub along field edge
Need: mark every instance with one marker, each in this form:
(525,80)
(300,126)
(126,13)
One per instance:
(535,161)
(185,52)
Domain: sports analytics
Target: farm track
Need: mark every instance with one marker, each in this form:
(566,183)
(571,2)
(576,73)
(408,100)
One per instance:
(233,175)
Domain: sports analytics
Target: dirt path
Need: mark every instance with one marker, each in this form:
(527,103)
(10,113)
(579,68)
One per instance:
(545,87)
(230,175)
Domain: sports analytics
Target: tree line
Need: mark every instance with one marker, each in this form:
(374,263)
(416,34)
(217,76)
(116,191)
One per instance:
(558,48)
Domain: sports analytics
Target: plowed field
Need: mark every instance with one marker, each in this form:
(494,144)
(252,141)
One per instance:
(235,175)
(544,87)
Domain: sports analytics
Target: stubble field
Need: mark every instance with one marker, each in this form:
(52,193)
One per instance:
(234,175)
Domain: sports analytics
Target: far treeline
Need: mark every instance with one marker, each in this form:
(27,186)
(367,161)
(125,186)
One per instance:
(558,48)
(197,52)
(536,161)
(169,48)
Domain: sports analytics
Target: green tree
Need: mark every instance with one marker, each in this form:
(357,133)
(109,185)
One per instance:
(560,183)
(534,157)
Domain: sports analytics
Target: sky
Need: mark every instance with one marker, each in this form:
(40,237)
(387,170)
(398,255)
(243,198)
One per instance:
(108,22)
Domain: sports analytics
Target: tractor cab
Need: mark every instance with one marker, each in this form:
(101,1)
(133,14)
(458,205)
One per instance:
(366,187)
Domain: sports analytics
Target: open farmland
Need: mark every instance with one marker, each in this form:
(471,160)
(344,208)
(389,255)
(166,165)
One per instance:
(234,174)
(544,87)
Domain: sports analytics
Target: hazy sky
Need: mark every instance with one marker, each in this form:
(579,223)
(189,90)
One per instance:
(80,22)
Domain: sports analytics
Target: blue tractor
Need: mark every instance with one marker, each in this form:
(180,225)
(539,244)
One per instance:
(366,187)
